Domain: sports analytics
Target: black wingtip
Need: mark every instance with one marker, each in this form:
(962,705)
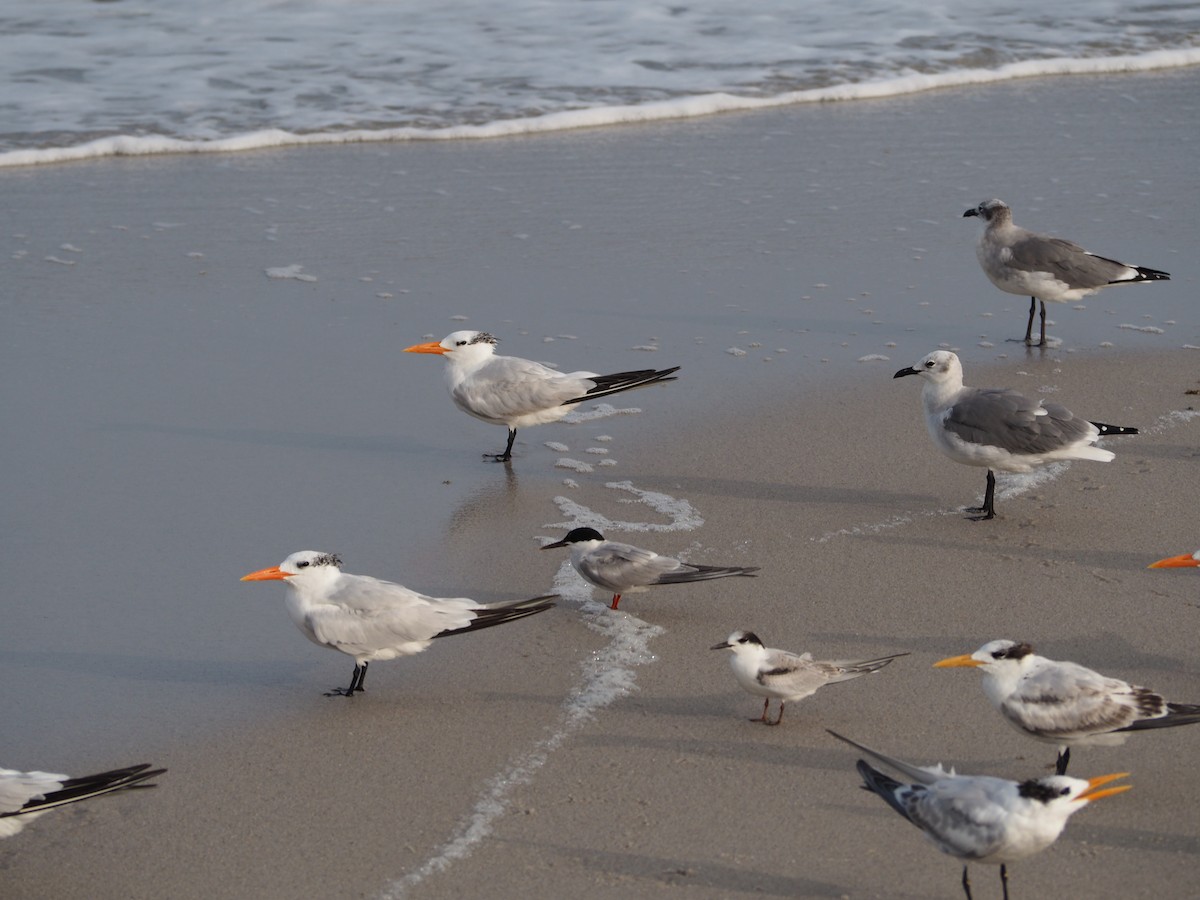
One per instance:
(1106,430)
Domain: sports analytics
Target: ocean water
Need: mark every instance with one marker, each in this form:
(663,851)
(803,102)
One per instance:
(138,77)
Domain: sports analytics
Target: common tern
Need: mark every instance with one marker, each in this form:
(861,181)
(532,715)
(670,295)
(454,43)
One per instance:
(981,818)
(1182,561)
(785,676)
(1064,703)
(26,795)
(370,619)
(514,392)
(1045,268)
(626,569)
(999,429)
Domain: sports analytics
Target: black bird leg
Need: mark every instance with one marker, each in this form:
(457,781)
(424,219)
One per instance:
(356,682)
(1064,757)
(1004,879)
(1033,305)
(989,500)
(507,454)
(966,883)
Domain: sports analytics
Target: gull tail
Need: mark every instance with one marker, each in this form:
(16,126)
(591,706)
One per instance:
(499,613)
(917,774)
(1106,430)
(704,573)
(74,789)
(623,381)
(1176,714)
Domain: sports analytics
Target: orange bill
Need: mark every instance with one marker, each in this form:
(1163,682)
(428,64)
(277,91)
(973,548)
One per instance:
(953,662)
(272,574)
(431,347)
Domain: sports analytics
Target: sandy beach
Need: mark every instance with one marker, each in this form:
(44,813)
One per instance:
(204,374)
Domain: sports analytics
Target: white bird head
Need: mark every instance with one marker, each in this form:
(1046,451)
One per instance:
(463,347)
(992,657)
(309,565)
(577,536)
(1070,794)
(939,367)
(740,642)
(991,211)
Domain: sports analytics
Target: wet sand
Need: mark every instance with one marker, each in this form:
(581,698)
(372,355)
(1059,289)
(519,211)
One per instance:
(177,417)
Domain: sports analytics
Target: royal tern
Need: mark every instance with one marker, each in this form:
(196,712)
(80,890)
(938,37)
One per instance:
(1064,703)
(981,818)
(1043,267)
(787,677)
(626,569)
(999,429)
(26,795)
(507,390)
(1182,561)
(371,619)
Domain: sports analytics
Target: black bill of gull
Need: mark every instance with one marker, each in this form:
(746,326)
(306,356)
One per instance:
(999,429)
(1044,268)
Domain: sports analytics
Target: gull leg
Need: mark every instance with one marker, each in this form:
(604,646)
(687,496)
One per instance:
(966,883)
(778,718)
(1042,342)
(356,683)
(507,454)
(1029,327)
(1004,879)
(616,600)
(989,500)
(1064,757)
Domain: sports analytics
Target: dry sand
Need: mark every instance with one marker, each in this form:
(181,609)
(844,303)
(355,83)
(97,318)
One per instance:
(177,418)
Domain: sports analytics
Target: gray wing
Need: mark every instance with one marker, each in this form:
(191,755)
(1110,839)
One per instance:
(918,774)
(961,814)
(508,387)
(796,674)
(1003,418)
(618,566)
(366,613)
(1065,699)
(1063,259)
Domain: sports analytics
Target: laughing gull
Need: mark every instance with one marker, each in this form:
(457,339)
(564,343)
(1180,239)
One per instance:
(626,569)
(1043,267)
(515,392)
(999,429)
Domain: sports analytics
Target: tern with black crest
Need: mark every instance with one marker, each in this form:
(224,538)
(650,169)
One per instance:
(1064,703)
(626,569)
(514,392)
(370,619)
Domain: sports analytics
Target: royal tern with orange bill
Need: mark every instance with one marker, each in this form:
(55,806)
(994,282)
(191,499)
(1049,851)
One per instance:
(999,429)
(370,619)
(514,392)
(626,569)
(981,818)
(1064,703)
(1182,561)
(1042,267)
(787,677)
(26,795)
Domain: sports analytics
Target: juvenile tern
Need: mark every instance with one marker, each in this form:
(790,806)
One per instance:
(26,795)
(999,429)
(1045,268)
(1064,703)
(1182,561)
(507,390)
(626,569)
(981,818)
(785,676)
(370,619)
